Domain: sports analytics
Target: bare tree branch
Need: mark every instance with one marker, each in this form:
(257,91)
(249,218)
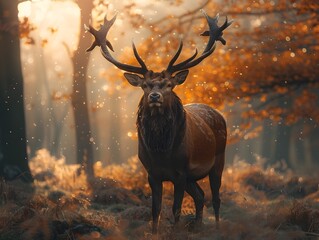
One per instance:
(189,13)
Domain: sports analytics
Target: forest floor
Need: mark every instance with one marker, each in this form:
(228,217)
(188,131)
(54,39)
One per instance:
(257,203)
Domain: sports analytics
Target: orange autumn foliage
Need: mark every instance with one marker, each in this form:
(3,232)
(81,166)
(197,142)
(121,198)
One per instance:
(268,67)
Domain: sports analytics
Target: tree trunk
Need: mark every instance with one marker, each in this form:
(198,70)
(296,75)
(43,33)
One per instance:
(14,162)
(84,154)
(282,144)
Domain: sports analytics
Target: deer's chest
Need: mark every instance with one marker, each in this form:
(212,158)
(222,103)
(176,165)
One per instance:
(165,166)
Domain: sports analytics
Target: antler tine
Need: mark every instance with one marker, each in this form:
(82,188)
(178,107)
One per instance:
(222,28)
(180,47)
(177,66)
(189,59)
(170,66)
(108,24)
(137,56)
(100,36)
(101,41)
(188,63)
(226,24)
(215,34)
(202,57)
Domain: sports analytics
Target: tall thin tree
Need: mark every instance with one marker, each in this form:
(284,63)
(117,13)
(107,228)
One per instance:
(13,160)
(84,148)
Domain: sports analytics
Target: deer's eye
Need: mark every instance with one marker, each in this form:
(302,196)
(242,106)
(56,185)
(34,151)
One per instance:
(169,84)
(144,85)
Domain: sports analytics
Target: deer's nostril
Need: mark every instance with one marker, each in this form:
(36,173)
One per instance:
(154,96)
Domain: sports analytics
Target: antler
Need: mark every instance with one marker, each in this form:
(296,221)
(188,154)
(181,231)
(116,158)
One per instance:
(101,41)
(215,34)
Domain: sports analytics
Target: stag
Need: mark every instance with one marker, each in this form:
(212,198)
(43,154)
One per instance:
(176,143)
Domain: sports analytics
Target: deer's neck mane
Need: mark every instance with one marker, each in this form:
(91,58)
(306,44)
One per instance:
(161,130)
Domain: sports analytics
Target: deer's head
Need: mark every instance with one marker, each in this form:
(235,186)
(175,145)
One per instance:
(158,86)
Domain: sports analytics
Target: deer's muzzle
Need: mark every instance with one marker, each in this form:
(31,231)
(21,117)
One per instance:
(155,99)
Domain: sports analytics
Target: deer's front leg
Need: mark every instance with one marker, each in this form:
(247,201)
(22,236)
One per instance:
(157,188)
(179,188)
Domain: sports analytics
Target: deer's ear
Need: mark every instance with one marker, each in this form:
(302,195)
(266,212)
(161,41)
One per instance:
(180,77)
(133,79)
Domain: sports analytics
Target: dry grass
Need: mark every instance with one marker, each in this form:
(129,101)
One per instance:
(257,203)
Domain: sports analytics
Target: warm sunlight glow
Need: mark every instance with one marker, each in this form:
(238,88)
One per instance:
(51,39)
(102,155)
(256,22)
(24,9)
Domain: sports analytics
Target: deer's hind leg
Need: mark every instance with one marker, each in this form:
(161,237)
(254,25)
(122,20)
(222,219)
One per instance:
(179,188)
(215,178)
(195,191)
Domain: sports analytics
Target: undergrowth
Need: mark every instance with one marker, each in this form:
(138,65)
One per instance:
(257,203)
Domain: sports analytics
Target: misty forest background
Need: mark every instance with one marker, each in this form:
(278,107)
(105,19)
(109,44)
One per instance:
(79,106)
(59,103)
